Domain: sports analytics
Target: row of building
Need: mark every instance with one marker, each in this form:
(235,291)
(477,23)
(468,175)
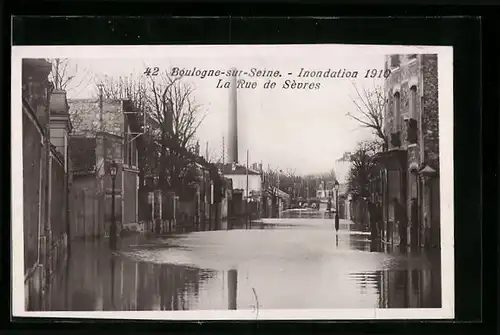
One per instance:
(66,190)
(69,147)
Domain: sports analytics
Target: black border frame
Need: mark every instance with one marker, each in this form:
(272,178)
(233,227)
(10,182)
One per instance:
(464,34)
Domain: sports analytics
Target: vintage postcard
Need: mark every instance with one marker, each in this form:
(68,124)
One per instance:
(233,182)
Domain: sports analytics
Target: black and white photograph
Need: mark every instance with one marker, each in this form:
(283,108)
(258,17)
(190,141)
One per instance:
(233,182)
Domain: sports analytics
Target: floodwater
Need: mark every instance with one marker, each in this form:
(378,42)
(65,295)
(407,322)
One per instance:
(281,264)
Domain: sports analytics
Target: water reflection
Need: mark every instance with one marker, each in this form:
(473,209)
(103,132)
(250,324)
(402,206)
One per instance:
(232,278)
(293,265)
(95,279)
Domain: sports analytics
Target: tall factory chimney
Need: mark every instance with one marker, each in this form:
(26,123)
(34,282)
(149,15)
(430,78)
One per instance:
(232,146)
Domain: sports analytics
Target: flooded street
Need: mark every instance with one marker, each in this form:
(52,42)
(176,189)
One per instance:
(289,264)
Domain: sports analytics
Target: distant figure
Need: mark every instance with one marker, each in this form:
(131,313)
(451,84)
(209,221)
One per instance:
(402,220)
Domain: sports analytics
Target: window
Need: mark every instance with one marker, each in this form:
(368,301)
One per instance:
(395,61)
(397,111)
(413,102)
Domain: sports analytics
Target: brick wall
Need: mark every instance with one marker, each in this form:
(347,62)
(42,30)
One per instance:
(430,116)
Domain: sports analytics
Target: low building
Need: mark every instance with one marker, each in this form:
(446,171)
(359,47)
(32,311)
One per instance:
(247,182)
(246,185)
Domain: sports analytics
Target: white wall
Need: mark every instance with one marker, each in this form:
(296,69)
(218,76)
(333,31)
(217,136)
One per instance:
(240,182)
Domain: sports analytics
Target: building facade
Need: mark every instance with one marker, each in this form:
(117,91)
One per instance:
(105,131)
(409,169)
(247,182)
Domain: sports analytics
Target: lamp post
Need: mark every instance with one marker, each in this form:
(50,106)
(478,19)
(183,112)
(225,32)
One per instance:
(113,169)
(336,205)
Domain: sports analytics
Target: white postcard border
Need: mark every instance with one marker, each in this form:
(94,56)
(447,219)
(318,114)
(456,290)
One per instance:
(445,93)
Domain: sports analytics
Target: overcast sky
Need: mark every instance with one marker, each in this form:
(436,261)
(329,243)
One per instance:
(305,130)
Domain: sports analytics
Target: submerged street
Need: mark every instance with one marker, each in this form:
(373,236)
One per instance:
(279,264)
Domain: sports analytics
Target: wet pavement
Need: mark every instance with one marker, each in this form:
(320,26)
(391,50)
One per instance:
(277,264)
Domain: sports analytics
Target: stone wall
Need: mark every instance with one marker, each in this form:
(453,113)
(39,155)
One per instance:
(58,208)
(32,192)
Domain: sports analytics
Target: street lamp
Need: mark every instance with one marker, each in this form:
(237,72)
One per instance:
(113,170)
(336,205)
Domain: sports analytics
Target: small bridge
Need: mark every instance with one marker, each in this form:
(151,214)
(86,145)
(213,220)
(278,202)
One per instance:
(307,214)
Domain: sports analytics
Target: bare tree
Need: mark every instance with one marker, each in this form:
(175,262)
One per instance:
(370,106)
(67,76)
(172,120)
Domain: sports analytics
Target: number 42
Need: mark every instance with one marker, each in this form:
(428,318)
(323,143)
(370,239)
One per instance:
(151,72)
